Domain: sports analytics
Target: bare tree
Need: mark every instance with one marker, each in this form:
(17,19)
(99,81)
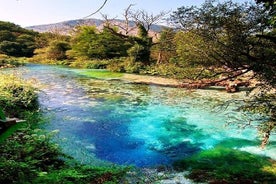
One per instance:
(125,25)
(147,20)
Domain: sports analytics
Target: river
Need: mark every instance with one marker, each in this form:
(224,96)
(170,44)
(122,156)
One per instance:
(103,121)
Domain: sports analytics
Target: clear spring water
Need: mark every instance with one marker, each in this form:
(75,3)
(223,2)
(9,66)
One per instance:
(111,121)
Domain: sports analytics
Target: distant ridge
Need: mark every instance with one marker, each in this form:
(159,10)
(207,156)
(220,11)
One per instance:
(66,27)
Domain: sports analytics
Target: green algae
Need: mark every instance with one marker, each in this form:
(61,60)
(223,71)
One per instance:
(228,165)
(101,74)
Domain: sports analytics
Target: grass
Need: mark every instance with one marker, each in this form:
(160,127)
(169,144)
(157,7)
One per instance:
(229,166)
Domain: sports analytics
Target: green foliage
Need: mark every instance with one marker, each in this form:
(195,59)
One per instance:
(92,64)
(10,131)
(16,41)
(88,42)
(270,6)
(165,49)
(29,157)
(192,50)
(51,48)
(229,166)
(82,174)
(57,50)
(174,70)
(16,95)
(26,153)
(9,62)
(128,65)
(141,49)
(227,34)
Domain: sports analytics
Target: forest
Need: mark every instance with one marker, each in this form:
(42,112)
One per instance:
(216,44)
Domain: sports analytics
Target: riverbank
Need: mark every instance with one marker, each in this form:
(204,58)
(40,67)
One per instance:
(151,80)
(230,86)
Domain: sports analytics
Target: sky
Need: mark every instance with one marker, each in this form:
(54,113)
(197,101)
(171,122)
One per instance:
(37,12)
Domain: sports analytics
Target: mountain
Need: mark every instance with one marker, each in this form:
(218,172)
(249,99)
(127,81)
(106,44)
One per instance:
(67,26)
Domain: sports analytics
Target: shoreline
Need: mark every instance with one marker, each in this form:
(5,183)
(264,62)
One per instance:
(175,83)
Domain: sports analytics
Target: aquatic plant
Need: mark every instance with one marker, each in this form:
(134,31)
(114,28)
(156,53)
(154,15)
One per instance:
(102,74)
(228,165)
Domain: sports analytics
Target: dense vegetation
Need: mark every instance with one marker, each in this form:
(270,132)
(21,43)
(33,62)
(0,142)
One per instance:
(212,43)
(16,41)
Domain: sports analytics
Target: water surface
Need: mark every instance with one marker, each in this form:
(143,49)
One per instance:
(111,121)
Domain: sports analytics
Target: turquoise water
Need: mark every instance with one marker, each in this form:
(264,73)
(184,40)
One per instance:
(111,121)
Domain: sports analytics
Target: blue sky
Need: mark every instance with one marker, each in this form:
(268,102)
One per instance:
(36,12)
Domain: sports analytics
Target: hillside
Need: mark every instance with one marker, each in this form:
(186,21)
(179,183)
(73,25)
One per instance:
(66,27)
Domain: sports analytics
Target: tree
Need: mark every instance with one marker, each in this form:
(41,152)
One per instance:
(235,37)
(16,41)
(140,51)
(6,35)
(141,21)
(229,31)
(270,6)
(82,39)
(57,50)
(165,47)
(90,43)
(143,18)
(10,48)
(27,43)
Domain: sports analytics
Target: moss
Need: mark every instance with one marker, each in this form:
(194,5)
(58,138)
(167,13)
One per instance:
(82,175)
(228,165)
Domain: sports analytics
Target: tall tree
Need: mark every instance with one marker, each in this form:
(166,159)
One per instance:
(229,30)
(235,37)
(165,49)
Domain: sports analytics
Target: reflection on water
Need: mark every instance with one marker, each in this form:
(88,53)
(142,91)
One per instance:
(103,121)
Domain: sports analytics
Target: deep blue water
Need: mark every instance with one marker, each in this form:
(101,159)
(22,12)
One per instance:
(102,121)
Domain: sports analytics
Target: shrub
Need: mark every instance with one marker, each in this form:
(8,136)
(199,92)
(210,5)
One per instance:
(8,62)
(127,64)
(16,95)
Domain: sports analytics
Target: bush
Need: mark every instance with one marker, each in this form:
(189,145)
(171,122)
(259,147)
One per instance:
(8,62)
(16,95)
(127,64)
(173,70)
(26,154)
